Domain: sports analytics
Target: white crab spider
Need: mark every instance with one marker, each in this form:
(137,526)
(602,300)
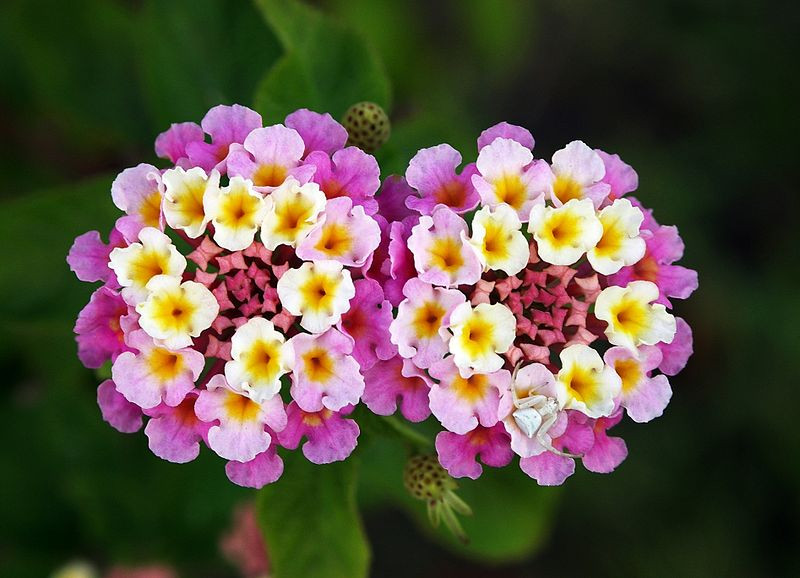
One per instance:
(535,415)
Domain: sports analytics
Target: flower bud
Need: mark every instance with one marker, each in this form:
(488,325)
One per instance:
(426,479)
(367,125)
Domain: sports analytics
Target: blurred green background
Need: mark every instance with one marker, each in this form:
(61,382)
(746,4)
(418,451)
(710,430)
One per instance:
(699,96)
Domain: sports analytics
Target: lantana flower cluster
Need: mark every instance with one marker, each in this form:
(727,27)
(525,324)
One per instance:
(532,305)
(234,305)
(266,282)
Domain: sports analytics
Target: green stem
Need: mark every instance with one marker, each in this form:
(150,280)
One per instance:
(410,435)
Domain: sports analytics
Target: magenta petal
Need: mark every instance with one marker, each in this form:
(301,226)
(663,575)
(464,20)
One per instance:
(350,172)
(458,453)
(394,380)
(171,144)
(174,433)
(320,132)
(88,258)
(548,469)
(331,437)
(263,469)
(392,198)
(620,176)
(607,452)
(367,322)
(98,330)
(677,353)
(506,130)
(117,411)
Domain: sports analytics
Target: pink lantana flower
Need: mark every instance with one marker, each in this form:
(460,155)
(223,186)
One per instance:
(367,323)
(508,131)
(349,172)
(392,198)
(155,374)
(263,469)
(240,432)
(458,453)
(419,328)
(88,257)
(343,233)
(551,469)
(578,173)
(269,155)
(98,329)
(620,176)
(676,354)
(461,403)
(174,433)
(663,247)
(320,132)
(606,452)
(226,125)
(397,382)
(508,174)
(118,412)
(442,256)
(644,397)
(171,144)
(432,173)
(136,192)
(325,375)
(399,267)
(330,436)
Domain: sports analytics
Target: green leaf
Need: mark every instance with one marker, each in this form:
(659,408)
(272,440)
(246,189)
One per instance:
(194,54)
(311,523)
(327,66)
(38,229)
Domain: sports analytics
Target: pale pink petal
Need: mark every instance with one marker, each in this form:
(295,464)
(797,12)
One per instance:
(677,354)
(620,176)
(350,172)
(331,437)
(171,144)
(433,173)
(117,411)
(320,132)
(547,468)
(607,453)
(263,469)
(458,453)
(506,130)
(174,433)
(394,382)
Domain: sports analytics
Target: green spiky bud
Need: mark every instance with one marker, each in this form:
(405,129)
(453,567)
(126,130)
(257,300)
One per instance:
(367,125)
(427,480)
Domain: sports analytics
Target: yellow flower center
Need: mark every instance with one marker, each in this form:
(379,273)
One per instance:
(148,264)
(292,214)
(612,239)
(471,388)
(630,316)
(566,189)
(629,371)
(446,254)
(318,365)
(189,204)
(319,291)
(241,408)
(269,175)
(495,242)
(263,359)
(452,194)
(238,209)
(164,364)
(316,418)
(477,336)
(150,209)
(428,319)
(562,229)
(581,384)
(173,311)
(510,190)
(335,240)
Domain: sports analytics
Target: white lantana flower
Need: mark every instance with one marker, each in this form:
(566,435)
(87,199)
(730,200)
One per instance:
(585,382)
(479,335)
(260,356)
(320,292)
(184,193)
(563,234)
(137,263)
(498,240)
(621,245)
(236,212)
(291,212)
(175,312)
(633,319)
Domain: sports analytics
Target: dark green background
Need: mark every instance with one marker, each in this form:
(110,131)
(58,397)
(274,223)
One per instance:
(700,97)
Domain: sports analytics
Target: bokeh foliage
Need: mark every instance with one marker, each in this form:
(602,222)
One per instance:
(696,94)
